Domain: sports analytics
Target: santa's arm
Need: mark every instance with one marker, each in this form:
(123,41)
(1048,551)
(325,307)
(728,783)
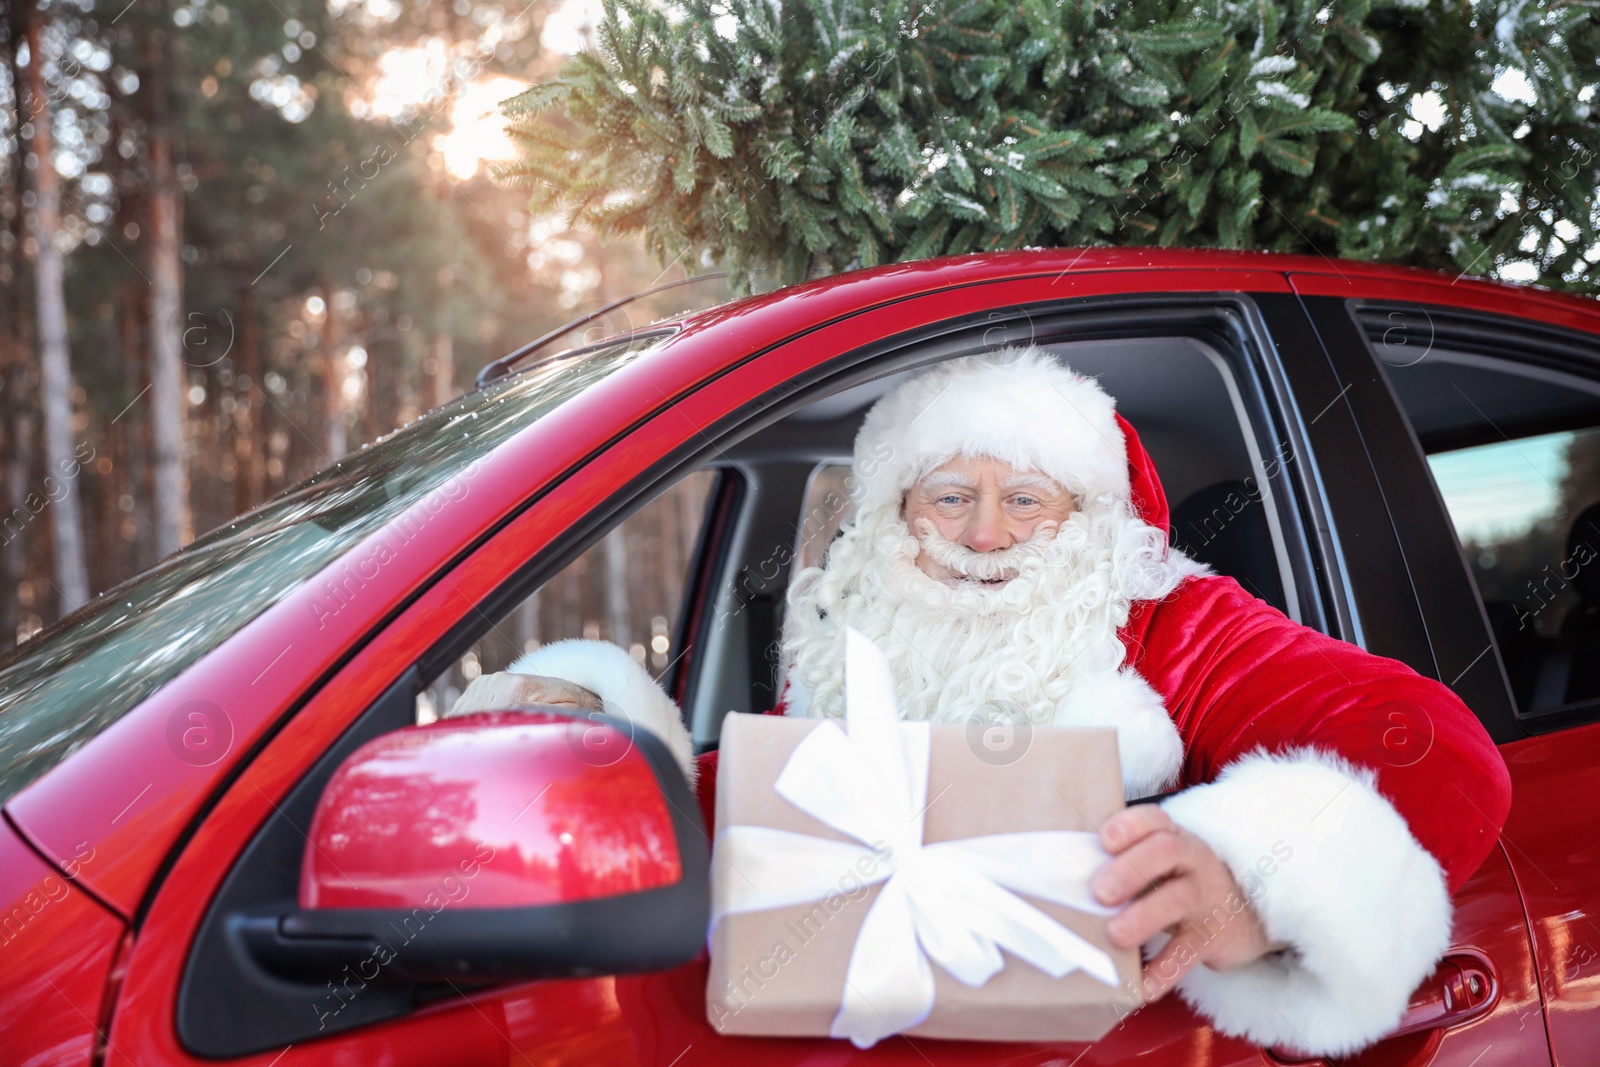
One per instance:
(1349,797)
(624,687)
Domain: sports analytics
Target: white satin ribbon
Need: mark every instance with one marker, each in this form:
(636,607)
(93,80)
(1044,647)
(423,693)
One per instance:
(951,901)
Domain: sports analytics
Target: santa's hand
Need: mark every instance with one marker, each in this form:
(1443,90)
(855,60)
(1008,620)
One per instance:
(1179,886)
(505,691)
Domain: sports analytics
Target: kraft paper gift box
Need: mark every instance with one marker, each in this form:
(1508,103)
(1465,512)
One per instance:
(899,878)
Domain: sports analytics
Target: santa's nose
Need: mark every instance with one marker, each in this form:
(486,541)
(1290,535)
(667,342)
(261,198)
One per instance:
(987,530)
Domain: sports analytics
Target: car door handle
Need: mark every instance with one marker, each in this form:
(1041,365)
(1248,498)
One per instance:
(1463,987)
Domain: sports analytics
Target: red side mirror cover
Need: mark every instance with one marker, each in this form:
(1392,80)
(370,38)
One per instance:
(490,811)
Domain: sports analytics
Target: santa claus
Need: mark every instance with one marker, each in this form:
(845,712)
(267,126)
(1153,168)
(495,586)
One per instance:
(1009,551)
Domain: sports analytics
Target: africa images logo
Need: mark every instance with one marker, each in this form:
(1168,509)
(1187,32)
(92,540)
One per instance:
(199,732)
(999,733)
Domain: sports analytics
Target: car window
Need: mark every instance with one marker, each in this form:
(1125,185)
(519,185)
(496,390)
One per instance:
(827,507)
(1514,449)
(69,682)
(628,588)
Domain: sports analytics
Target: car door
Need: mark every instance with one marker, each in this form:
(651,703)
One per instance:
(653,1019)
(1472,404)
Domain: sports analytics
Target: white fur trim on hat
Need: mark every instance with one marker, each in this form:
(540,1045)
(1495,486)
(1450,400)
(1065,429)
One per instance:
(1018,405)
(623,686)
(1335,874)
(1148,745)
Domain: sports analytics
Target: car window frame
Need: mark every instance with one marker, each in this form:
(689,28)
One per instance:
(1261,381)
(1307,536)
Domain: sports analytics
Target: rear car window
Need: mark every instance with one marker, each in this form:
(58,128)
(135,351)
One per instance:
(74,679)
(1527,512)
(1510,425)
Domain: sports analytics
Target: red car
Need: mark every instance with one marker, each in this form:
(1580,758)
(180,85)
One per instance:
(224,789)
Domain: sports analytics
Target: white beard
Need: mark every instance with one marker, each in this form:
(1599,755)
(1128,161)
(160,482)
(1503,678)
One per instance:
(1043,645)
(1001,564)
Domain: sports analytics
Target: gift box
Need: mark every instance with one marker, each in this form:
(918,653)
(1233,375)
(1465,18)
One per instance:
(878,877)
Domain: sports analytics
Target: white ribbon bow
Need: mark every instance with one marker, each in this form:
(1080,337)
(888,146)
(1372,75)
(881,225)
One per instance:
(950,901)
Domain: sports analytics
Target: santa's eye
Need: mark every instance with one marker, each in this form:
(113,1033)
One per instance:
(950,500)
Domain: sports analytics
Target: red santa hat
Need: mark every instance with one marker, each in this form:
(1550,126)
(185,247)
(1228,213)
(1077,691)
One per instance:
(1017,405)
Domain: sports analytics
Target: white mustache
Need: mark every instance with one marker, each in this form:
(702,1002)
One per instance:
(1001,564)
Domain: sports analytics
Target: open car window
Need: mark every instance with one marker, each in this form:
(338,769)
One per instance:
(628,589)
(703,609)
(1185,395)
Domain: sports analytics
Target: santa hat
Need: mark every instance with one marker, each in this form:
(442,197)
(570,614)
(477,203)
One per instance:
(1017,405)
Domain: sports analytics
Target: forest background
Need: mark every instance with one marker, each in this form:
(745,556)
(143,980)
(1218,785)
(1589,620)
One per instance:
(269,235)
(240,238)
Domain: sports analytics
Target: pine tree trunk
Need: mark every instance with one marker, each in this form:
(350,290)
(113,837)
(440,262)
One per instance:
(691,513)
(530,633)
(367,418)
(18,457)
(15,423)
(170,506)
(617,587)
(132,423)
(127,456)
(55,365)
(572,598)
(335,443)
(442,350)
(140,438)
(246,432)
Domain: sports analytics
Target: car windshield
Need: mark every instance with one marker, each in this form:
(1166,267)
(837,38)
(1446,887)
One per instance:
(71,681)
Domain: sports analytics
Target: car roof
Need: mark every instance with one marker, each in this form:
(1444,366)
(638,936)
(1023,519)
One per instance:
(899,280)
(853,291)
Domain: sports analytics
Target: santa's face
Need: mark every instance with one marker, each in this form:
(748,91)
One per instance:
(975,518)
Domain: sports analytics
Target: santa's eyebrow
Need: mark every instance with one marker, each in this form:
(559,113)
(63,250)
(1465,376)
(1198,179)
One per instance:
(1032,481)
(946,480)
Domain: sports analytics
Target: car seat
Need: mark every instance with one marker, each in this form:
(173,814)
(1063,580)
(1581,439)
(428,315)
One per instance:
(1225,525)
(1570,673)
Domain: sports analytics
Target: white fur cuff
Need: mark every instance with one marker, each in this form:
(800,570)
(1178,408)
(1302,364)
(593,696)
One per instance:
(1333,871)
(623,686)
(1148,744)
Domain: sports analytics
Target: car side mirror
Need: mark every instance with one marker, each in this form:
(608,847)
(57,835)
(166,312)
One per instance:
(503,845)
